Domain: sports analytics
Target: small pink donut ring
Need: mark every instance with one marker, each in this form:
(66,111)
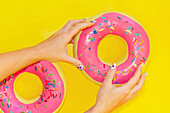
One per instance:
(52,96)
(115,23)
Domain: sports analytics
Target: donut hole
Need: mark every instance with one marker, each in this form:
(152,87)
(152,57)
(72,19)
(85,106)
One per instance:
(112,49)
(28,87)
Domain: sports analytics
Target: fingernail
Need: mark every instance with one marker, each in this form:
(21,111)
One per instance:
(80,67)
(113,66)
(84,19)
(93,21)
(146,74)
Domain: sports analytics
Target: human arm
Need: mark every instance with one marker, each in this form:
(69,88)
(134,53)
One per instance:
(111,97)
(52,49)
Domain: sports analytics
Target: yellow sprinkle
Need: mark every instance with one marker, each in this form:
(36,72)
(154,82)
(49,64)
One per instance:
(97,71)
(137,56)
(45,89)
(112,28)
(55,88)
(36,106)
(130,69)
(114,79)
(135,65)
(104,77)
(39,69)
(128,72)
(88,40)
(116,76)
(141,42)
(135,42)
(128,31)
(117,71)
(101,29)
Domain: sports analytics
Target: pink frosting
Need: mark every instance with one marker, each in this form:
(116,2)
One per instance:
(51,97)
(116,24)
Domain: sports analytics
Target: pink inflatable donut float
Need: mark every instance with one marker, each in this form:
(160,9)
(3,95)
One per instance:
(115,23)
(52,96)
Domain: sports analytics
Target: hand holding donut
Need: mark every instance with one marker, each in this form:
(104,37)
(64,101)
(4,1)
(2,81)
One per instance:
(55,47)
(110,97)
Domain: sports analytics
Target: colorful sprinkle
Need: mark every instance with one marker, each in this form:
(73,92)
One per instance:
(95,32)
(133,60)
(123,71)
(129,28)
(11,112)
(137,56)
(119,17)
(130,69)
(105,21)
(101,29)
(141,42)
(90,69)
(2,104)
(41,98)
(35,67)
(116,83)
(4,82)
(89,64)
(46,70)
(7,105)
(103,17)
(19,106)
(89,48)
(92,39)
(50,74)
(138,48)
(135,65)
(99,25)
(36,106)
(81,54)
(45,106)
(112,28)
(137,34)
(103,74)
(84,45)
(144,59)
(132,53)
(117,71)
(135,42)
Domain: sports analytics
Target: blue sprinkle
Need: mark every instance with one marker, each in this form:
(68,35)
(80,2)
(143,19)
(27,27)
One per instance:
(4,99)
(41,98)
(103,17)
(30,111)
(48,83)
(133,60)
(11,112)
(99,24)
(89,48)
(138,48)
(119,17)
(53,96)
(46,88)
(46,70)
(7,105)
(0,83)
(105,21)
(6,87)
(90,69)
(126,32)
(109,26)
(52,85)
(92,40)
(95,32)
(103,74)
(116,83)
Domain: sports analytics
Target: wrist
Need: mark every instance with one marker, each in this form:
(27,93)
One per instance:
(96,109)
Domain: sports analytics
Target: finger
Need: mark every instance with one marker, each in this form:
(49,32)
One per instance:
(134,80)
(137,88)
(70,24)
(74,62)
(77,28)
(110,73)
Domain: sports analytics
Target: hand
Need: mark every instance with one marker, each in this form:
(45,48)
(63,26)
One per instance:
(110,97)
(55,47)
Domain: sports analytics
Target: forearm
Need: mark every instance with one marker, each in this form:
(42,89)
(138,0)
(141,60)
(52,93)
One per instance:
(13,61)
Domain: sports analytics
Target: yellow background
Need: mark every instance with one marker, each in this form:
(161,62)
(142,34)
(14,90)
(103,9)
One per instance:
(25,23)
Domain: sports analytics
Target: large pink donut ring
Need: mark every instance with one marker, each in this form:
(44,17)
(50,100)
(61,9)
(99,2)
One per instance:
(86,43)
(52,95)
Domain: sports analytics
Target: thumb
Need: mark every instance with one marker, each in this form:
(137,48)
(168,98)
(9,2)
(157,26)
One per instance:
(110,73)
(74,62)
